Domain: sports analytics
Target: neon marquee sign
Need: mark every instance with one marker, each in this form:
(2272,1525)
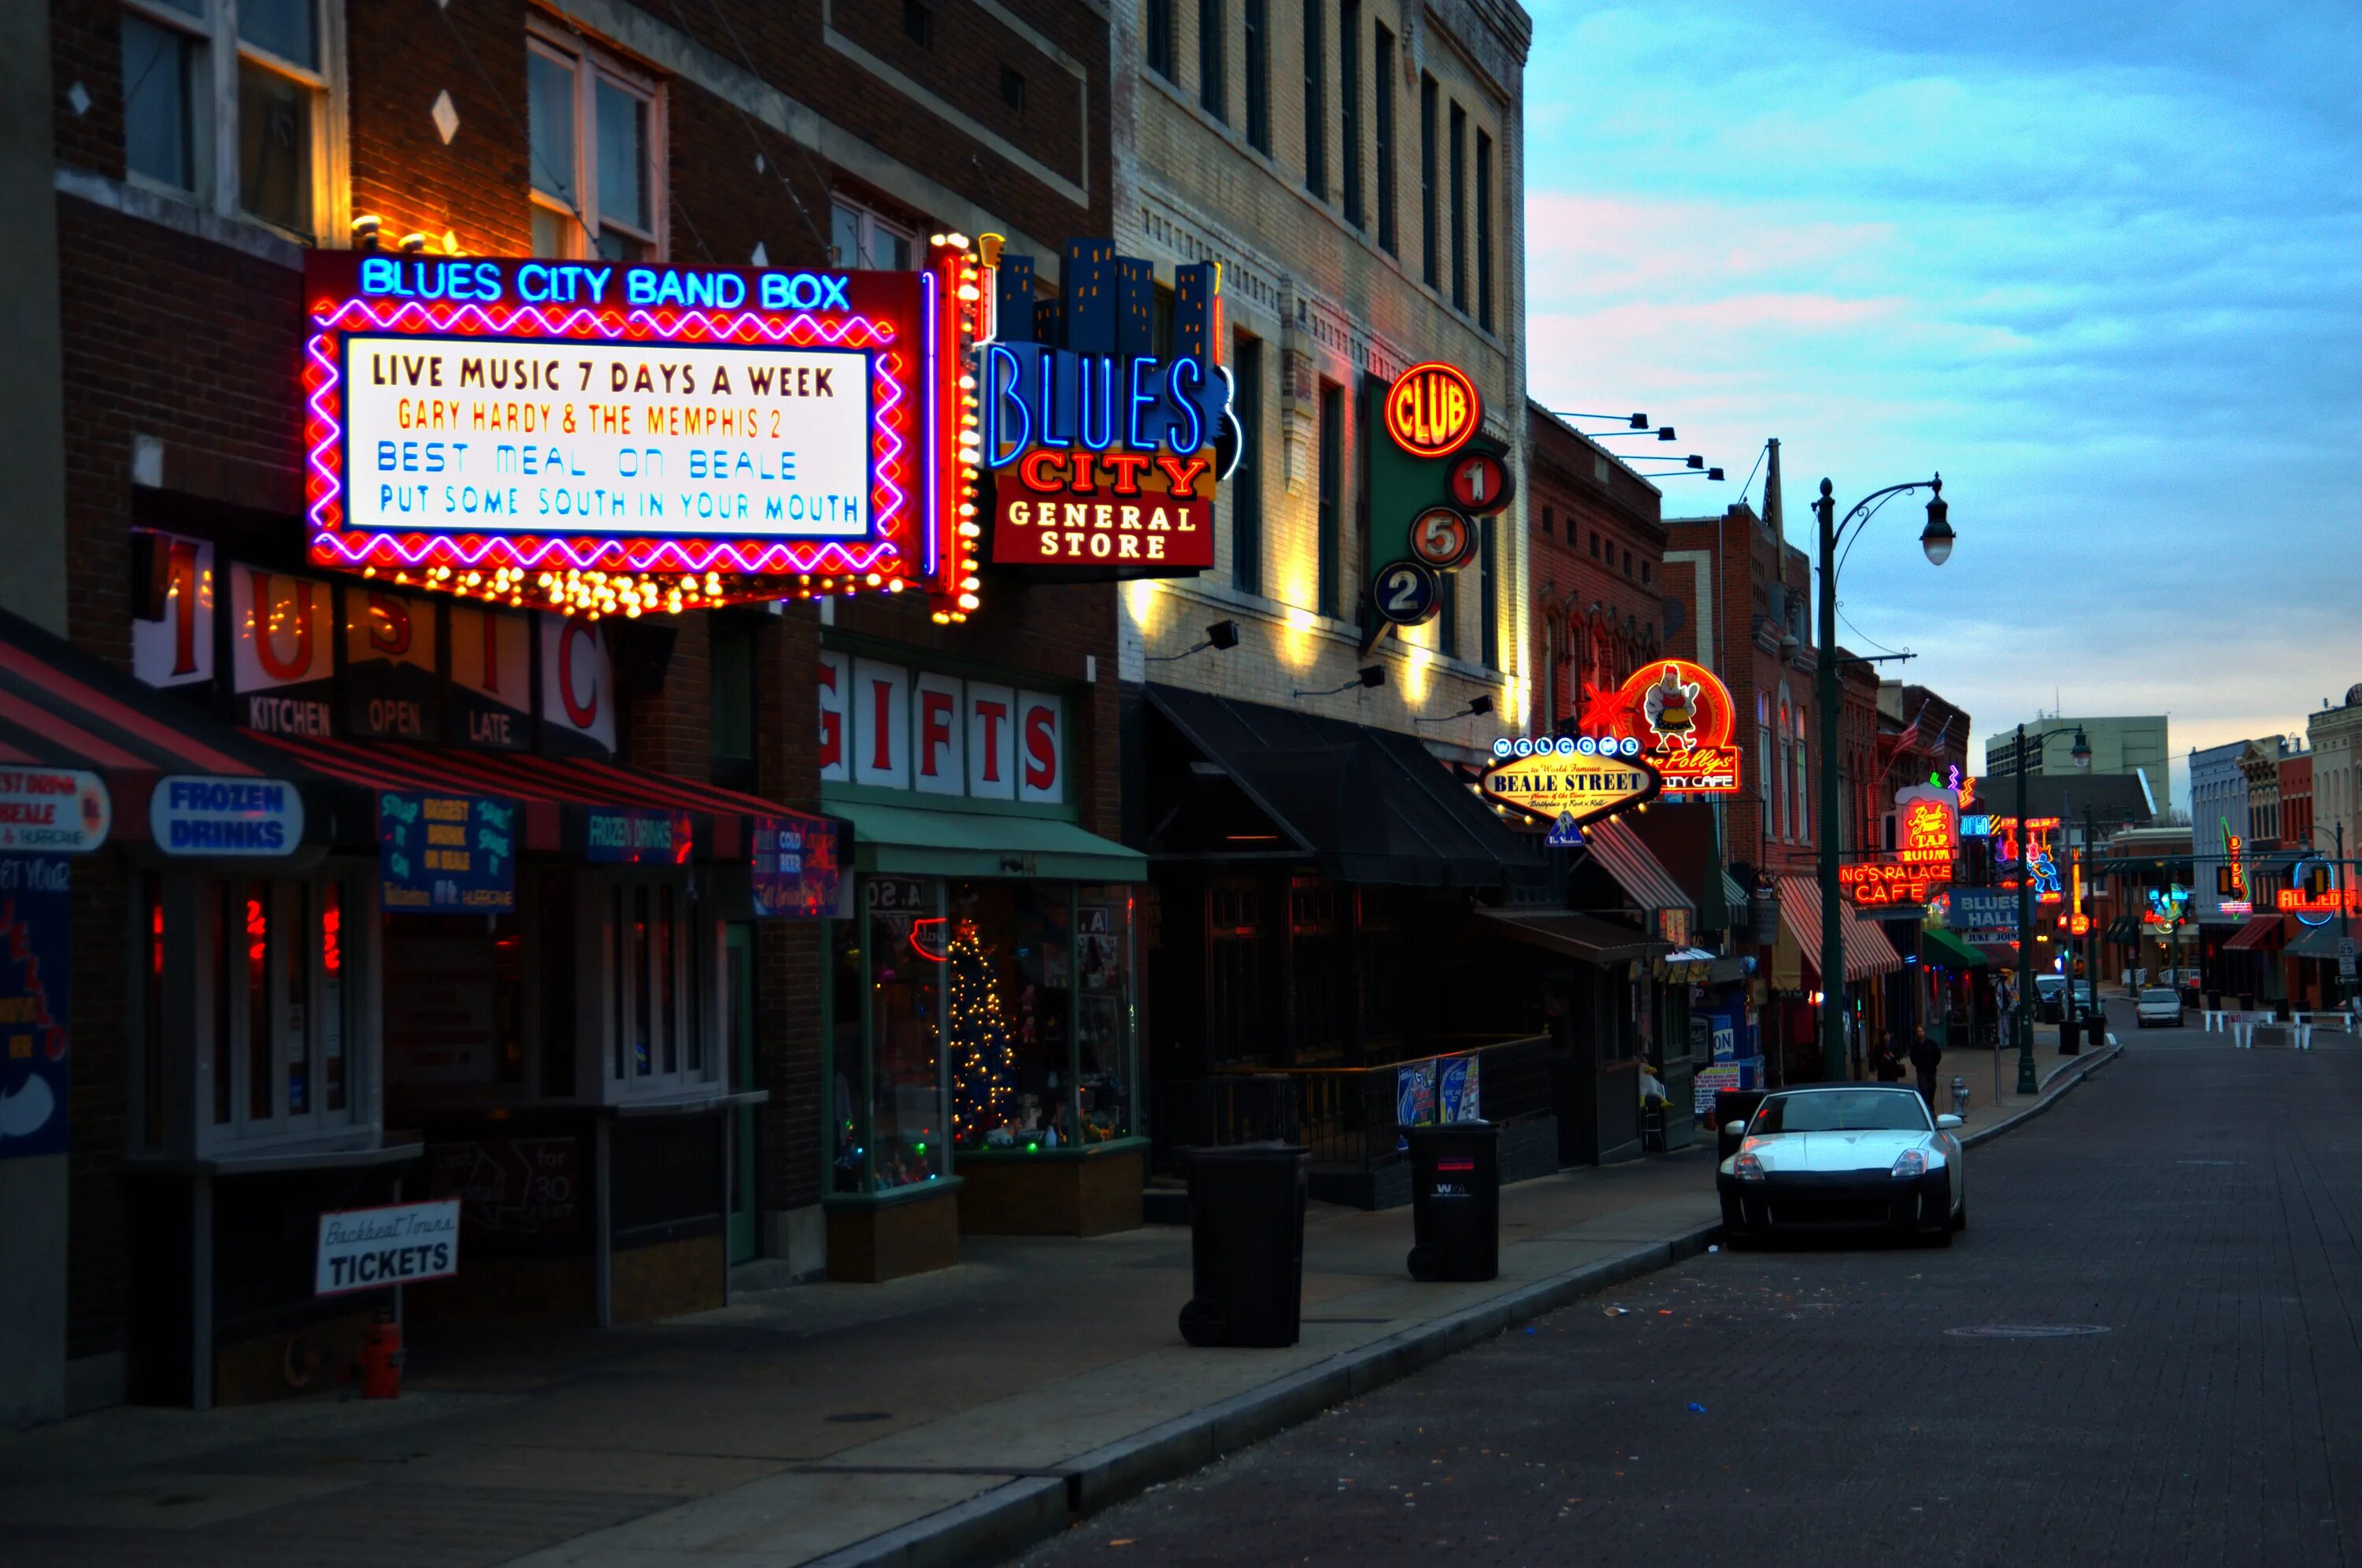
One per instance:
(2316,897)
(1880,884)
(1569,780)
(614,438)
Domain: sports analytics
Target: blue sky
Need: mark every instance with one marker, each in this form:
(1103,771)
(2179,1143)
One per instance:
(2102,265)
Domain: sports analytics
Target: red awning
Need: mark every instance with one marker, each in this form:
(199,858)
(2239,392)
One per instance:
(543,787)
(2261,934)
(1636,868)
(61,707)
(1867,950)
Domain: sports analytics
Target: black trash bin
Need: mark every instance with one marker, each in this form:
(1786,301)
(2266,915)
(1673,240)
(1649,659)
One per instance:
(1455,1201)
(1732,1105)
(1246,1245)
(2069,1033)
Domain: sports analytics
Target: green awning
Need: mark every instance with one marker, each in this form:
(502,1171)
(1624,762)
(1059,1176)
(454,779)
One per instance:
(1937,945)
(902,840)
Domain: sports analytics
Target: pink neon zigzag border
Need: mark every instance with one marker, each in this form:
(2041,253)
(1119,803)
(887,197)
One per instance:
(739,557)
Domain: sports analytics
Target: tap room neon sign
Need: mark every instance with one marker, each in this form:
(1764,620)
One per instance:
(1102,453)
(614,438)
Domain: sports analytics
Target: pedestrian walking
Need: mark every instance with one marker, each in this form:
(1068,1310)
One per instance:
(1888,1061)
(1925,1055)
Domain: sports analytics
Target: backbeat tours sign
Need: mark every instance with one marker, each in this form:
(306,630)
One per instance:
(1560,780)
(400,1243)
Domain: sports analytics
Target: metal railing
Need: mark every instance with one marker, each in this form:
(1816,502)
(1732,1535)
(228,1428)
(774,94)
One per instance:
(1345,1116)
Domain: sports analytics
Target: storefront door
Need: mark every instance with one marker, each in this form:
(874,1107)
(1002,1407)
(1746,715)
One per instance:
(738,976)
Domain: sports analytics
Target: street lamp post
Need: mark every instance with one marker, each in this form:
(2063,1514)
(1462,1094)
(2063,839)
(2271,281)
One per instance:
(1936,540)
(2027,1083)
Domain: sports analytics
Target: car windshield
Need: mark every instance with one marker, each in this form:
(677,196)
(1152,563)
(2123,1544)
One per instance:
(2169,997)
(2047,984)
(1842,1111)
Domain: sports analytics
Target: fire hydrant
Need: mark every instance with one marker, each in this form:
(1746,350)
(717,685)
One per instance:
(381,1359)
(1959,1095)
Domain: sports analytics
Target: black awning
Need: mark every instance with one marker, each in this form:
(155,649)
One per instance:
(1572,935)
(1249,781)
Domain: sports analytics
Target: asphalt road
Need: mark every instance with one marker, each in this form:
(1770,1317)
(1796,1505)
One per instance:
(2180,1232)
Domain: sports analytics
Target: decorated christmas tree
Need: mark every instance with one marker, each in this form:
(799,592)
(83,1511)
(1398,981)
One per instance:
(984,1065)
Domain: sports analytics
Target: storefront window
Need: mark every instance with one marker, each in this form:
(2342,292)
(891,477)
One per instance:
(454,1012)
(906,954)
(1009,983)
(272,1033)
(1103,1010)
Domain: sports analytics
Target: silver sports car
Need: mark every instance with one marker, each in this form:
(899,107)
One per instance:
(1844,1156)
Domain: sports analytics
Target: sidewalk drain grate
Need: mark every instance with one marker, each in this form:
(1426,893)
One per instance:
(2027,1331)
(849,1417)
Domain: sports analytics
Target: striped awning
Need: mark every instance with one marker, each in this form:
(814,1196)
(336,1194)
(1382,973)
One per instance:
(1867,951)
(555,795)
(61,707)
(2261,934)
(1635,866)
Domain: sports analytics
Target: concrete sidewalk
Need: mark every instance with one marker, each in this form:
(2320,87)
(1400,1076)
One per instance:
(933,1420)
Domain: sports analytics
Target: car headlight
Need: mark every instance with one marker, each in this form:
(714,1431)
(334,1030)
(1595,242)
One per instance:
(1910,1163)
(1747,1167)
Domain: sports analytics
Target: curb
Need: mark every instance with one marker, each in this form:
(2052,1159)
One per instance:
(1022,1513)
(1025,1512)
(2082,1069)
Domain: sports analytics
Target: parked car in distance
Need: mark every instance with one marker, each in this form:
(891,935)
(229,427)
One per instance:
(2158,1004)
(2050,991)
(1831,1157)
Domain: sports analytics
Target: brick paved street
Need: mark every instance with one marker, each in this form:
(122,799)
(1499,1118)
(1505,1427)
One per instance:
(2197,1206)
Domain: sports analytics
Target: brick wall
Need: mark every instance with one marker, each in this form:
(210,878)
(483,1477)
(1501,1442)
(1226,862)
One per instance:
(186,330)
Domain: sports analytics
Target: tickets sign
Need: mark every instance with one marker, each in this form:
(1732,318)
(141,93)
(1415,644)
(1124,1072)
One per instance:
(402,1243)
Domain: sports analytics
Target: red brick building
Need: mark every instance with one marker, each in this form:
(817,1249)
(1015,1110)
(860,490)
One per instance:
(192,166)
(1597,566)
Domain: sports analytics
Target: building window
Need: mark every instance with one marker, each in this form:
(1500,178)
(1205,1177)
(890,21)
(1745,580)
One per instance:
(1315,110)
(1644,571)
(862,239)
(1488,592)
(1246,489)
(273,165)
(1459,207)
(1158,25)
(1382,102)
(1483,231)
(1549,523)
(596,170)
(1348,102)
(1257,19)
(918,24)
(1627,563)
(1012,88)
(1213,94)
(270,1017)
(1332,479)
(1595,546)
(1430,266)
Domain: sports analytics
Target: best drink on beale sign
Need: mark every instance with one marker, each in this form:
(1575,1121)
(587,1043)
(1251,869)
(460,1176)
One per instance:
(600,437)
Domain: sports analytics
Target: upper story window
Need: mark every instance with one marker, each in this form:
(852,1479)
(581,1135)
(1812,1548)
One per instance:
(597,165)
(229,104)
(862,238)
